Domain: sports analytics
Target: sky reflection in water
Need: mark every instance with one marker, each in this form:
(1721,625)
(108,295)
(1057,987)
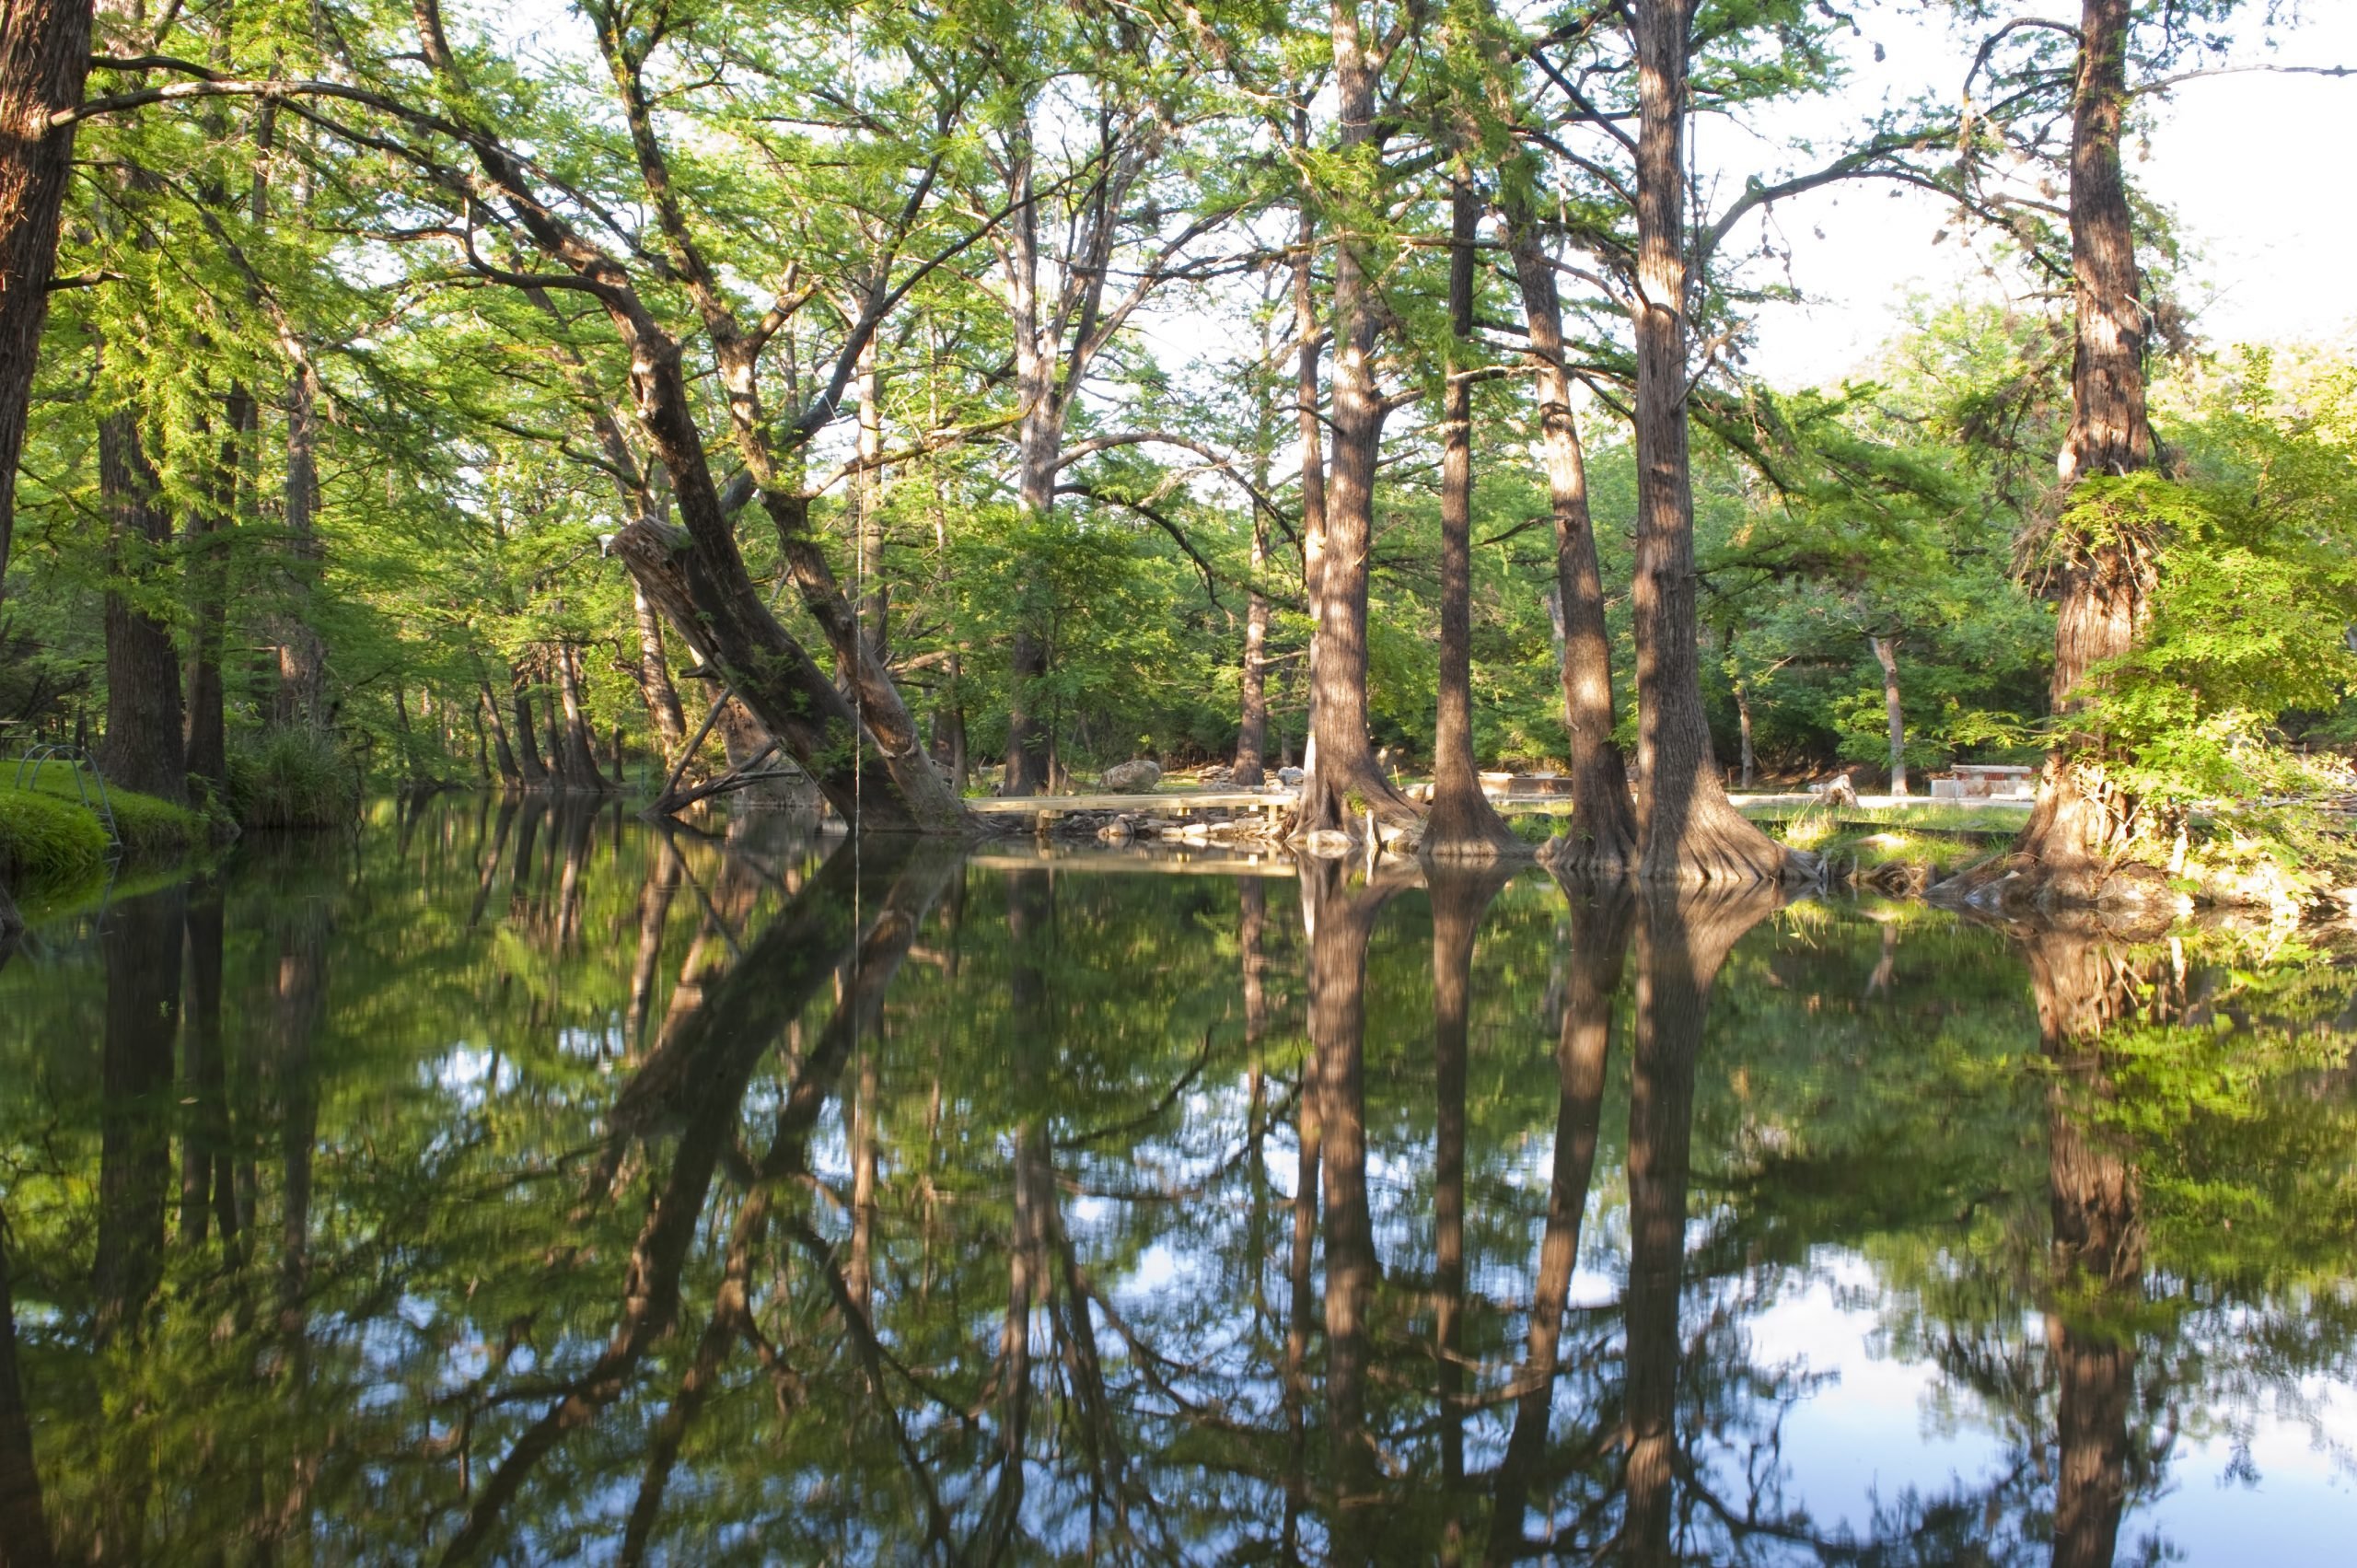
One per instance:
(505,1184)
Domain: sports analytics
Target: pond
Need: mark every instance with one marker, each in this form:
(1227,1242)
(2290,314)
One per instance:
(506,1184)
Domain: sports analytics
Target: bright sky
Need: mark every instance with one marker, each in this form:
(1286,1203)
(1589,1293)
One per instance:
(2249,163)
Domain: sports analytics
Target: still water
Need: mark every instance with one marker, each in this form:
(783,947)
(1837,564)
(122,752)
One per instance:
(498,1184)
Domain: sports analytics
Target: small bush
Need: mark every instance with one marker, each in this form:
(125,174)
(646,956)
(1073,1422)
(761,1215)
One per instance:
(47,843)
(292,778)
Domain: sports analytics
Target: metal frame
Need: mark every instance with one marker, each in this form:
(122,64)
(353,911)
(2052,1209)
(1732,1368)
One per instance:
(76,759)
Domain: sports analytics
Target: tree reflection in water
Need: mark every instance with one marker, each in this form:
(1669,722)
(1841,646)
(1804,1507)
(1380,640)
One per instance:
(529,1184)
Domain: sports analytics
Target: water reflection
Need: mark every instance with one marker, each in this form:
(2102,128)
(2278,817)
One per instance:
(518,1183)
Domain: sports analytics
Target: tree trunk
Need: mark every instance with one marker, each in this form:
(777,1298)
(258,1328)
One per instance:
(734,633)
(663,711)
(144,749)
(510,771)
(1252,717)
(44,56)
(1885,651)
(867,507)
(534,772)
(580,745)
(1345,780)
(2103,585)
(1313,458)
(208,575)
(300,700)
(1462,824)
(1687,832)
(1603,828)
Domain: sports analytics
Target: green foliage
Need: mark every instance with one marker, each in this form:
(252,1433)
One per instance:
(292,778)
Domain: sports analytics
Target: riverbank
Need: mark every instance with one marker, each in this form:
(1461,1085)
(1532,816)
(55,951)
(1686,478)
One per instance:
(56,844)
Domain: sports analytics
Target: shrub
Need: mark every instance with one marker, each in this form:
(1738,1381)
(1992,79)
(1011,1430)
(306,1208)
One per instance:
(292,778)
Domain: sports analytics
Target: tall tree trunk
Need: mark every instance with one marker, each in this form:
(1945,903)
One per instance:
(2103,581)
(510,771)
(663,711)
(1252,684)
(144,749)
(208,573)
(534,772)
(868,507)
(580,747)
(300,700)
(1604,823)
(1687,830)
(1886,655)
(1346,768)
(44,57)
(1312,430)
(1462,824)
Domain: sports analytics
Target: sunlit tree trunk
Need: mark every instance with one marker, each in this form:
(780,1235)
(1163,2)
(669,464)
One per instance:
(2103,580)
(1462,824)
(663,711)
(1886,655)
(209,532)
(534,772)
(1312,432)
(300,700)
(1604,827)
(1346,777)
(1687,830)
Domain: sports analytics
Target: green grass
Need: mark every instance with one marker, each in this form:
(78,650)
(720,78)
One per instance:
(292,779)
(149,828)
(48,845)
(1862,839)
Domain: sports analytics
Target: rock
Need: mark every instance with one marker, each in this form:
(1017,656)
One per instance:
(1130,778)
(1291,777)
(1327,844)
(1836,790)
(1119,830)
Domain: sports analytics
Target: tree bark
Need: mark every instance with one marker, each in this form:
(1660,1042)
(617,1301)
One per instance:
(1462,825)
(893,792)
(1250,769)
(144,749)
(301,699)
(208,575)
(1687,830)
(1312,430)
(534,772)
(580,746)
(510,772)
(668,720)
(44,58)
(1346,779)
(1604,824)
(2102,584)
(1887,655)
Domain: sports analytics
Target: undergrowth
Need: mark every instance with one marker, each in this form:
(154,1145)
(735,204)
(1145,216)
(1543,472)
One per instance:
(292,778)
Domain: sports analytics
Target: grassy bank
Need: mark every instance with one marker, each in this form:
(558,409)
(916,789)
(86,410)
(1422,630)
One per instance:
(51,844)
